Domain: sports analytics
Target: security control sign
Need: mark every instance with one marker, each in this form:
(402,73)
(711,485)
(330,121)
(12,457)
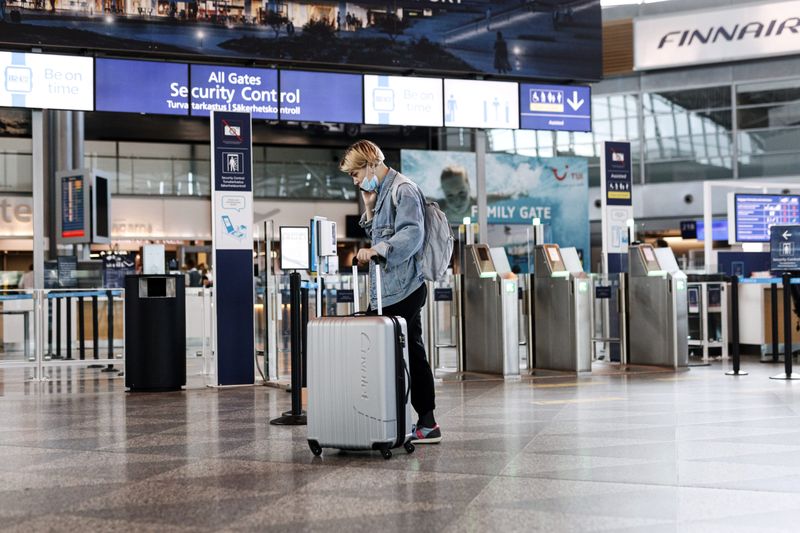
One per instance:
(555,107)
(43,81)
(784,250)
(232,231)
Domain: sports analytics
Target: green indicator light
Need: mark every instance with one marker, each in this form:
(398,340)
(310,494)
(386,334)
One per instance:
(583,286)
(681,285)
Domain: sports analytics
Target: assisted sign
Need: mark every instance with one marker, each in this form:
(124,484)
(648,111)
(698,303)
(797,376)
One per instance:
(784,252)
(555,107)
(232,231)
(616,179)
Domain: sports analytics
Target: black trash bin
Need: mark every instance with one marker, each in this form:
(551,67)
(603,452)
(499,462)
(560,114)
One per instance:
(155,333)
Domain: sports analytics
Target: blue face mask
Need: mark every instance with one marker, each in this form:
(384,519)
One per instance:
(369,184)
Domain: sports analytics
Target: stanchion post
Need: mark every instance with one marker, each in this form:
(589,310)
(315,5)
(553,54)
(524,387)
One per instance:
(49,326)
(95,329)
(786,278)
(787,323)
(57,302)
(735,328)
(110,328)
(69,328)
(773,292)
(81,331)
(304,313)
(297,417)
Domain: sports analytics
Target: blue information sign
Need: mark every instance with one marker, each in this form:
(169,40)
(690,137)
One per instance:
(160,87)
(784,251)
(239,89)
(345,296)
(322,97)
(555,107)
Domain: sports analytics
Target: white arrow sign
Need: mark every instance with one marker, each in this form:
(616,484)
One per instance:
(576,102)
(786,235)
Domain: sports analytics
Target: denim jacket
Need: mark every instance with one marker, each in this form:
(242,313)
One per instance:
(397,234)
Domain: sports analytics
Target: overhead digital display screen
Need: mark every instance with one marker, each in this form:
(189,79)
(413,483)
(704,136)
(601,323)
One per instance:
(44,81)
(554,39)
(555,107)
(402,101)
(239,89)
(160,87)
(755,214)
(322,97)
(481,104)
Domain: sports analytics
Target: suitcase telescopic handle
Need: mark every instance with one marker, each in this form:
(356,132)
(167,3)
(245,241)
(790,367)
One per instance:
(355,286)
(378,286)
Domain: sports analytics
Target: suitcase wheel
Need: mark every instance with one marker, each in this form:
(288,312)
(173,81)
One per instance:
(316,449)
(386,453)
(409,447)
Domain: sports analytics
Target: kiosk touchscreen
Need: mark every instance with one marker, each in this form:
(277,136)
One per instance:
(562,310)
(491,318)
(657,308)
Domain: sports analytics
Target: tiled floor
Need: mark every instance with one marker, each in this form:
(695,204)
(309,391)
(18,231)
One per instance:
(653,452)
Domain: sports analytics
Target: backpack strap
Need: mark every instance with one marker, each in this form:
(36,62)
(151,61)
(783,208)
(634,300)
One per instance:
(399,179)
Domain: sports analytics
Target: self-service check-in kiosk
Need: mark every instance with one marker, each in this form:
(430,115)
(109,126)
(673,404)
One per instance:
(491,320)
(562,310)
(657,308)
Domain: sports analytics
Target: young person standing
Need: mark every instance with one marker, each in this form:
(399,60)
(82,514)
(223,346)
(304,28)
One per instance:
(395,221)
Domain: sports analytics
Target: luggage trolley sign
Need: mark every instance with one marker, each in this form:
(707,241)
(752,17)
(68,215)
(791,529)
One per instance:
(785,249)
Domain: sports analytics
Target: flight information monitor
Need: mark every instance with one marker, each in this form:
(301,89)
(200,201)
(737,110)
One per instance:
(755,214)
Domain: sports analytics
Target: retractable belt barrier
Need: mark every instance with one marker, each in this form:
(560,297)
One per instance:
(55,298)
(786,280)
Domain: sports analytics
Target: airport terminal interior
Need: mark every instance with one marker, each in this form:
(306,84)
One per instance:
(581,218)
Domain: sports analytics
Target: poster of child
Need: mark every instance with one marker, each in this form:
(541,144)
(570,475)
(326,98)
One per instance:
(447,178)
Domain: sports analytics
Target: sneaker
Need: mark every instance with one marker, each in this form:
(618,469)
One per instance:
(423,435)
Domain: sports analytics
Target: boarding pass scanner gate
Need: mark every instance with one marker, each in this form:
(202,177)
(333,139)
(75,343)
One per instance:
(659,328)
(562,310)
(491,318)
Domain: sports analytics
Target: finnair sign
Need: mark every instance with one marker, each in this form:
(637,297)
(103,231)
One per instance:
(710,36)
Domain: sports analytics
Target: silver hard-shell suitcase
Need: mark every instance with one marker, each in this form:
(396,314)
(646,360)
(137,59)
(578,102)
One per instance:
(358,382)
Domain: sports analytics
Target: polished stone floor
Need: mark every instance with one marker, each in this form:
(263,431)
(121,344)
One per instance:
(648,451)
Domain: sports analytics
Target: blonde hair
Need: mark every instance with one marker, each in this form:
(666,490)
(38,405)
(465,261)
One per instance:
(360,154)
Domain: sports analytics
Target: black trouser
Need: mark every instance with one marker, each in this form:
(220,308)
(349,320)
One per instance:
(423,396)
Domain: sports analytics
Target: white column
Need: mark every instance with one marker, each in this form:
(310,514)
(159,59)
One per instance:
(37,135)
(480,164)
